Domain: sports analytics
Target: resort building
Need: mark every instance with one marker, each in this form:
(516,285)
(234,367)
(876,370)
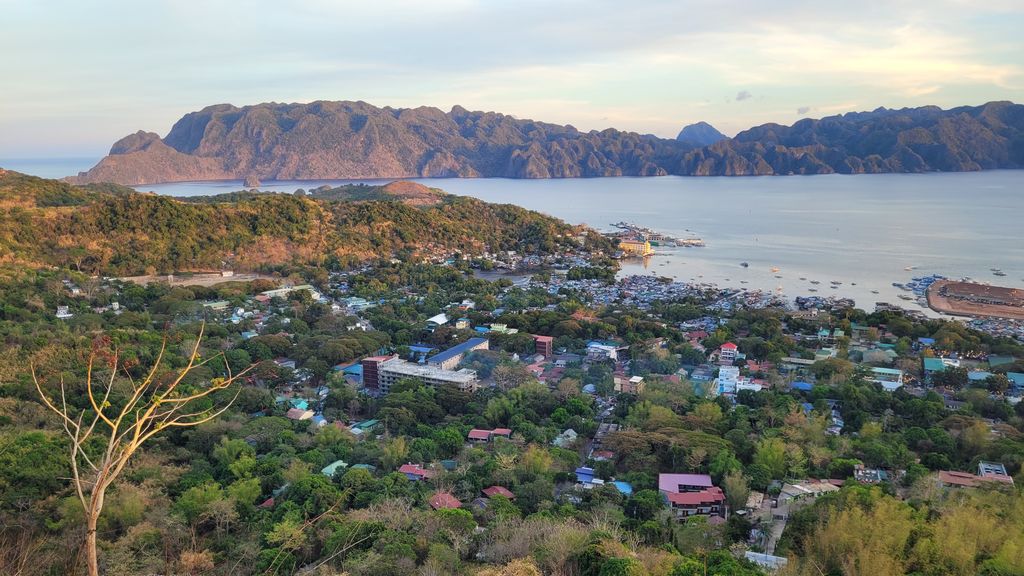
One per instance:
(691,494)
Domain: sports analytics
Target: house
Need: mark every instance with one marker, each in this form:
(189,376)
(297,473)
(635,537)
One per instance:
(444,501)
(299,414)
(957,479)
(889,378)
(635,385)
(727,354)
(598,351)
(934,365)
(493,491)
(462,324)
(806,489)
(434,321)
(702,373)
(691,494)
(869,475)
(480,436)
(415,472)
(333,467)
(585,478)
(63,313)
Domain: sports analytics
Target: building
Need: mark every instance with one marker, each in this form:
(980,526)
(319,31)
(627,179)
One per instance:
(691,494)
(728,377)
(602,351)
(371,370)
(444,501)
(806,489)
(63,313)
(989,471)
(634,385)
(451,357)
(392,370)
(299,414)
(479,436)
(727,354)
(890,378)
(434,321)
(498,491)
(462,324)
(415,472)
(636,247)
(544,345)
(284,292)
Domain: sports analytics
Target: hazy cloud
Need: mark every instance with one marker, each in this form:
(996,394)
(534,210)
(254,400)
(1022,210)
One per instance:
(803,110)
(743,95)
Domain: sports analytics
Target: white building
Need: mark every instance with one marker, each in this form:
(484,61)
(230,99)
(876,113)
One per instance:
(728,377)
(391,371)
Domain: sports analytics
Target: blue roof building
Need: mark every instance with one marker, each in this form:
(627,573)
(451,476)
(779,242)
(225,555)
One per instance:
(802,386)
(451,357)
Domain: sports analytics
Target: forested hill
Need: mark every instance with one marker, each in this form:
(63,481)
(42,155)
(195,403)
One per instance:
(338,140)
(114,230)
(908,140)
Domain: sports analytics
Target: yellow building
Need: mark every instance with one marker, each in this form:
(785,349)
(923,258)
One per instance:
(636,247)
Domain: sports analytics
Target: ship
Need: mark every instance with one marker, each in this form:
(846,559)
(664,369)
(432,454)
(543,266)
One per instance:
(775,268)
(744,264)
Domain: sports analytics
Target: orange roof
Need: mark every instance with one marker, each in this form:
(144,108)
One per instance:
(729,346)
(444,500)
(478,434)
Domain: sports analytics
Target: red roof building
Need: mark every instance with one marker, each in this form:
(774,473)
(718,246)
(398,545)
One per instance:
(415,471)
(443,500)
(499,491)
(478,435)
(506,432)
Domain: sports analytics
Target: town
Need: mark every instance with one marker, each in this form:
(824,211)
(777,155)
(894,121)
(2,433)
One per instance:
(702,417)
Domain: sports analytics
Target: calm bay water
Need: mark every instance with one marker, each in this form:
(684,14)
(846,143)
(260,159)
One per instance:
(863,229)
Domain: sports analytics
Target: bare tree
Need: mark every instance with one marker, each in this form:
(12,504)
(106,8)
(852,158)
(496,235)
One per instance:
(115,433)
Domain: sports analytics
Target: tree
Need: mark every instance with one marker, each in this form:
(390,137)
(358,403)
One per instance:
(123,416)
(737,490)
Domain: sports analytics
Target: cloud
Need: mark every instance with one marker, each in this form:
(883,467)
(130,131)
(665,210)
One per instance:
(803,110)
(743,95)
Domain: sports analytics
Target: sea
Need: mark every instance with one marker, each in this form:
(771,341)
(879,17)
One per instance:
(863,232)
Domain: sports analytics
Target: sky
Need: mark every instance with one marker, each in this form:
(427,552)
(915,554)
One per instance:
(78,75)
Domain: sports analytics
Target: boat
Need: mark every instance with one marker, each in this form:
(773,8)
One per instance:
(909,268)
(744,264)
(812,289)
(874,291)
(815,282)
(999,273)
(803,278)
(775,268)
(777,276)
(897,285)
